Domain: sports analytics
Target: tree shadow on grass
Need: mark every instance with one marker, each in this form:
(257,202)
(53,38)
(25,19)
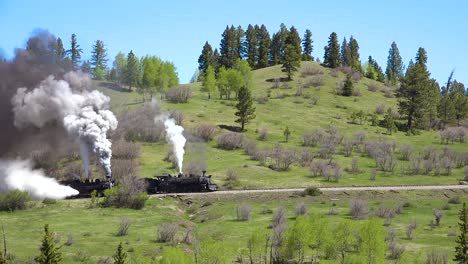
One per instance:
(231,128)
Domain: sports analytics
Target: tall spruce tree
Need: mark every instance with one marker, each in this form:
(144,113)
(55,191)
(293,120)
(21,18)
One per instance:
(374,71)
(461,249)
(245,108)
(132,71)
(74,52)
(278,45)
(460,101)
(59,52)
(345,53)
(332,57)
(206,58)
(348,86)
(294,40)
(264,42)
(307,46)
(120,256)
(228,47)
(239,42)
(394,69)
(49,251)
(99,60)
(292,61)
(354,54)
(446,108)
(251,46)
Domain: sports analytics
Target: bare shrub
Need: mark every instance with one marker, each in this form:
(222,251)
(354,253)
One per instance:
(314,100)
(356,76)
(105,260)
(354,166)
(179,94)
(385,212)
(332,211)
(263,134)
(74,170)
(178,116)
(356,92)
(437,216)
(124,226)
(279,217)
(437,257)
(188,237)
(380,109)
(262,99)
(348,146)
(388,92)
(301,209)
(358,209)
(243,212)
(360,138)
(461,159)
(453,134)
(409,230)
(196,167)
(122,168)
(70,240)
(230,140)
(282,158)
(447,164)
(311,71)
(139,124)
(406,151)
(415,165)
(250,147)
(317,137)
(307,139)
(261,155)
(205,131)
(396,251)
(166,232)
(334,72)
(171,158)
(319,167)
(231,175)
(451,233)
(372,87)
(125,150)
(306,157)
(334,172)
(383,153)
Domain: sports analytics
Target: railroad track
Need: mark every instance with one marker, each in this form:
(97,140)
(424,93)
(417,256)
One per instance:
(327,189)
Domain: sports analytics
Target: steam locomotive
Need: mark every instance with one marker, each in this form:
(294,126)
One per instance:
(159,184)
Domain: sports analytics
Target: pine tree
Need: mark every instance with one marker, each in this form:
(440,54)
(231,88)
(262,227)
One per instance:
(251,46)
(389,122)
(370,72)
(460,101)
(59,52)
(209,81)
(264,42)
(216,60)
(446,109)
(348,86)
(354,54)
(74,52)
(99,60)
(332,52)
(278,45)
(345,53)
(294,40)
(421,56)
(120,256)
(394,69)
(132,71)
(461,249)
(229,47)
(49,252)
(291,62)
(245,108)
(239,42)
(206,58)
(307,46)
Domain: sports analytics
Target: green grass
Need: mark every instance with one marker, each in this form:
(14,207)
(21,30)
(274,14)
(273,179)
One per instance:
(276,115)
(213,216)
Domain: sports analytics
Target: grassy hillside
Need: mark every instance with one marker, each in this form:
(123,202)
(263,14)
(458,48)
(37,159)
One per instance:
(300,115)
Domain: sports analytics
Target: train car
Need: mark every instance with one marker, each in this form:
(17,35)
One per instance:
(88,186)
(180,183)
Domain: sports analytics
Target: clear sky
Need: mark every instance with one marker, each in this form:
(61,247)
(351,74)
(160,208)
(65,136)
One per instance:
(176,30)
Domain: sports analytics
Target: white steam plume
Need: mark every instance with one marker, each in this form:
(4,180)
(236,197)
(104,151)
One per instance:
(19,174)
(176,138)
(83,113)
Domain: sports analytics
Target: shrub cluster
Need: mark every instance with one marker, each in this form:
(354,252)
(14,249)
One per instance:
(453,134)
(205,131)
(179,94)
(230,140)
(14,200)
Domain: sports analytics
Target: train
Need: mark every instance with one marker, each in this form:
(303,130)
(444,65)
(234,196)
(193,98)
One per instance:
(158,184)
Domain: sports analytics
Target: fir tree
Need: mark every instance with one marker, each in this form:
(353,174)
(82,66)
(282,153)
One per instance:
(239,41)
(332,52)
(132,71)
(49,252)
(461,249)
(74,52)
(98,60)
(460,101)
(120,256)
(394,69)
(209,81)
(307,46)
(245,108)
(59,52)
(228,47)
(251,46)
(421,56)
(348,86)
(345,53)
(264,42)
(206,58)
(389,122)
(292,61)
(294,40)
(354,54)
(278,45)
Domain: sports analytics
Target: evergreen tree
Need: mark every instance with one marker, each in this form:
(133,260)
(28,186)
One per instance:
(209,81)
(294,40)
(348,86)
(394,69)
(59,52)
(278,45)
(461,249)
(389,122)
(245,108)
(292,61)
(345,53)
(460,101)
(228,48)
(49,252)
(421,56)
(264,42)
(446,108)
(251,46)
(74,52)
(216,60)
(206,58)
(332,52)
(98,60)
(86,67)
(120,256)
(307,46)
(239,42)
(354,54)
(370,71)
(132,71)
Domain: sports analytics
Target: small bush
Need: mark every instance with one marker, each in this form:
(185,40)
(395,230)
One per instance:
(49,201)
(178,117)
(406,151)
(437,216)
(70,240)
(358,209)
(380,109)
(166,232)
(409,230)
(279,218)
(243,212)
(124,226)
(388,92)
(282,158)
(231,175)
(262,99)
(332,211)
(311,71)
(372,87)
(195,167)
(263,134)
(206,131)
(301,209)
(125,196)
(454,200)
(179,94)
(82,256)
(306,157)
(385,212)
(230,140)
(265,210)
(105,260)
(14,200)
(437,257)
(312,191)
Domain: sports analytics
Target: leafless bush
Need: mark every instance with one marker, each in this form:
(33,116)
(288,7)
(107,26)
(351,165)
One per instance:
(41,158)
(123,168)
(105,260)
(332,211)
(262,99)
(360,138)
(188,237)
(437,216)
(437,257)
(453,134)
(179,94)
(380,109)
(306,157)
(311,71)
(307,139)
(205,131)
(125,150)
(461,159)
(329,144)
(333,172)
(301,209)
(178,116)
(451,233)
(279,217)
(409,230)
(282,158)
(250,147)
(195,167)
(319,168)
(348,146)
(261,155)
(230,140)
(395,251)
(388,92)
(263,134)
(358,209)
(373,175)
(447,164)
(372,87)
(317,137)
(383,153)
(317,81)
(354,166)
(334,72)
(385,212)
(406,151)
(124,226)
(415,165)
(170,157)
(356,76)
(166,232)
(70,241)
(231,175)
(356,92)
(243,212)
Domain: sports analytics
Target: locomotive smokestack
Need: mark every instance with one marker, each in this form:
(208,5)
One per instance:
(204,173)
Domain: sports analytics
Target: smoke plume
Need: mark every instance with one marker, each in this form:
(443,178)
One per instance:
(176,138)
(82,113)
(19,174)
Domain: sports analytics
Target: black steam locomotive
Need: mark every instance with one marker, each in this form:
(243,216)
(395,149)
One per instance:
(158,184)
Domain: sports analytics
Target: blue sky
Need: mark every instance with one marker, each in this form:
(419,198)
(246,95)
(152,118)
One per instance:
(176,30)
